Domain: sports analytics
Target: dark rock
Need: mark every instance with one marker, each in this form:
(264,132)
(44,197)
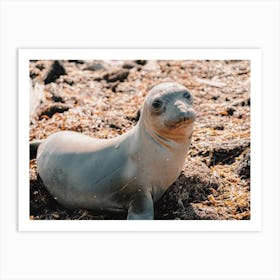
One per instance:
(245,102)
(242,72)
(69,82)
(55,72)
(40,66)
(215,97)
(33,75)
(56,97)
(50,109)
(219,127)
(243,168)
(114,126)
(77,61)
(112,86)
(96,66)
(140,62)
(226,153)
(230,111)
(129,65)
(119,75)
(97,79)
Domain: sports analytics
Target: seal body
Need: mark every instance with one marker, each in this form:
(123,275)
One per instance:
(126,173)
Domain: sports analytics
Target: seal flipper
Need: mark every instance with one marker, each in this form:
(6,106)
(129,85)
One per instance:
(141,207)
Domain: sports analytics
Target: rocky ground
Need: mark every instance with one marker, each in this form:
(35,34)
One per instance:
(102,99)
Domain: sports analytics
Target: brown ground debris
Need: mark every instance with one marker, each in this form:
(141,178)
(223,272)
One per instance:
(102,99)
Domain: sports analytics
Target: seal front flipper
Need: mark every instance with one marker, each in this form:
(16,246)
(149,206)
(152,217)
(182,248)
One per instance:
(141,207)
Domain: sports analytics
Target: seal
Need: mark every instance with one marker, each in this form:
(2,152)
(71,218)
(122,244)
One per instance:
(127,173)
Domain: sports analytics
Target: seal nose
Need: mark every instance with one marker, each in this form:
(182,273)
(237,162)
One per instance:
(180,105)
(184,112)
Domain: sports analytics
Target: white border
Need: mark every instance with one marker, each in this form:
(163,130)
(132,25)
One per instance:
(254,55)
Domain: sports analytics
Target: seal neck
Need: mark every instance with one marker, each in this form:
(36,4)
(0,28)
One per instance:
(164,140)
(157,138)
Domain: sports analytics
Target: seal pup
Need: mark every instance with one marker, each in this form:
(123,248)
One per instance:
(127,173)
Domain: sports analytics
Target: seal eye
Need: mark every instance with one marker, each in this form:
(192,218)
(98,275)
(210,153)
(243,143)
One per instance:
(187,95)
(157,104)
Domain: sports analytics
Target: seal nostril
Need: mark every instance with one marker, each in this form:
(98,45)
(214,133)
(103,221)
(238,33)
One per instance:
(183,116)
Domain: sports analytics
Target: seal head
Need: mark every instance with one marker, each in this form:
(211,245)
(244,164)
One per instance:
(168,111)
